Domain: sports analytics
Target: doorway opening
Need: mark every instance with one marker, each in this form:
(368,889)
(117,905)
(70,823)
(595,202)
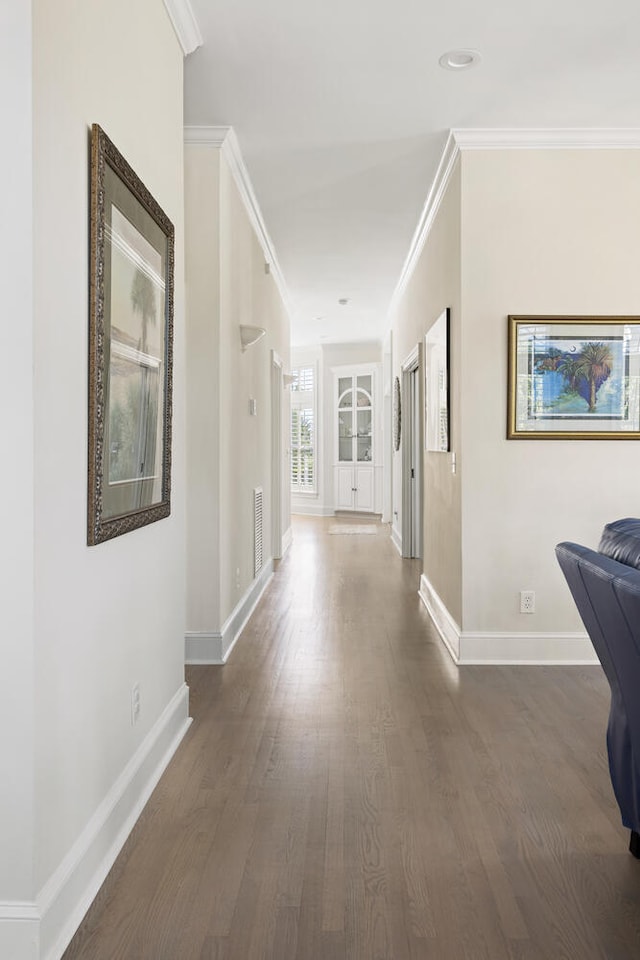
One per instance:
(276,455)
(412,454)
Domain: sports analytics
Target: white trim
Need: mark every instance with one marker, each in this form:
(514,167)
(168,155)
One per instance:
(411,362)
(427,217)
(547,139)
(214,647)
(354,369)
(277,427)
(68,894)
(287,539)
(299,509)
(185,25)
(396,539)
(534,649)
(19,910)
(224,138)
(207,136)
(202,646)
(442,620)
(469,648)
(500,139)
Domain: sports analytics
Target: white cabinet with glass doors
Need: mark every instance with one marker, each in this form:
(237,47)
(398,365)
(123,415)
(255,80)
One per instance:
(355,408)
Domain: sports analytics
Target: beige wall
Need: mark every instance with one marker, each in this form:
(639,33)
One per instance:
(111,615)
(16,478)
(435,285)
(202,277)
(549,232)
(230,451)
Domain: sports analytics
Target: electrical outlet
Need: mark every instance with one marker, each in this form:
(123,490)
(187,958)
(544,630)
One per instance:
(135,703)
(527,601)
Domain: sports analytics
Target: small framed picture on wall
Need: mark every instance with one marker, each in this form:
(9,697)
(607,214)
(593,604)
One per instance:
(436,385)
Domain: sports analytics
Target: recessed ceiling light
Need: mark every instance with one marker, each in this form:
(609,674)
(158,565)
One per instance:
(459,59)
(343,301)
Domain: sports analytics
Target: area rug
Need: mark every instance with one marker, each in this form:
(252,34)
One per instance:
(351,528)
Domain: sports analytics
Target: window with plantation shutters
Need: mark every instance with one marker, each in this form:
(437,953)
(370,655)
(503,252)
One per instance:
(303,380)
(303,431)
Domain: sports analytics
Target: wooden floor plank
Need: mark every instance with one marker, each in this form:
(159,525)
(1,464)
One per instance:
(346,793)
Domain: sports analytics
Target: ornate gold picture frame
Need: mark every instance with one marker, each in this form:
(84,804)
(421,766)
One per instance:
(130,349)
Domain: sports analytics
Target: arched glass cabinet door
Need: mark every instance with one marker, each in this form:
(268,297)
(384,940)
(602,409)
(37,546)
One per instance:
(345,419)
(364,419)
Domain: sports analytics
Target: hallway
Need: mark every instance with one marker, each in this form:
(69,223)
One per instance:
(346,793)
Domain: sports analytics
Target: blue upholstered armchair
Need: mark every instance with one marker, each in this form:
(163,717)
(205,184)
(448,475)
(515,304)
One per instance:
(606,588)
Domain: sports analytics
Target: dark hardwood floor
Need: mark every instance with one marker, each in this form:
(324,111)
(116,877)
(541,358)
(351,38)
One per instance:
(346,793)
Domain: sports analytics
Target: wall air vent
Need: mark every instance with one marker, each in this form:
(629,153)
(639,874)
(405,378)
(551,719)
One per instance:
(257,531)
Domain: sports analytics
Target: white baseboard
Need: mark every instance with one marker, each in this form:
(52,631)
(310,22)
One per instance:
(396,539)
(475,647)
(203,646)
(287,540)
(214,647)
(443,621)
(311,510)
(68,894)
(534,649)
(19,931)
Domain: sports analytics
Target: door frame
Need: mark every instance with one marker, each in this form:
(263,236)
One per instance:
(276,455)
(412,426)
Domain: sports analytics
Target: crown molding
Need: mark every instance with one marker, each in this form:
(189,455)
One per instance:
(548,139)
(185,25)
(208,136)
(429,211)
(225,140)
(461,139)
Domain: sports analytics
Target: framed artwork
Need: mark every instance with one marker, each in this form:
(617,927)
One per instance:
(436,386)
(130,349)
(574,378)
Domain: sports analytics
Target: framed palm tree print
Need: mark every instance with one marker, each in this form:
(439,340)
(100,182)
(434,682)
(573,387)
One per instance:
(130,348)
(574,378)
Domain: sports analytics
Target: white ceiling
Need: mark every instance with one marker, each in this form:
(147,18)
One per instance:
(342,112)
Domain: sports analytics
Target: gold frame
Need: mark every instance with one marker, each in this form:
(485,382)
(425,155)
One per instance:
(566,340)
(130,379)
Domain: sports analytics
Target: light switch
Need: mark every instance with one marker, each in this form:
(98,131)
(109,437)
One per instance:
(253,407)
